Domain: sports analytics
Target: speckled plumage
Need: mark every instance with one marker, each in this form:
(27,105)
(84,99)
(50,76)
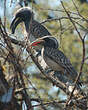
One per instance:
(55,58)
(33,28)
(59,62)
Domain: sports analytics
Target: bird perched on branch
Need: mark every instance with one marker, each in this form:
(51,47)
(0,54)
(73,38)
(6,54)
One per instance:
(33,28)
(55,58)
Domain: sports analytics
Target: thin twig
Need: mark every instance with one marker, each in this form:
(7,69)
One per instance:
(57,19)
(15,63)
(51,103)
(5,13)
(83,56)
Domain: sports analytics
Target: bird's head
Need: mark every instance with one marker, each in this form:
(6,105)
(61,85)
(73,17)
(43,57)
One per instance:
(22,15)
(46,41)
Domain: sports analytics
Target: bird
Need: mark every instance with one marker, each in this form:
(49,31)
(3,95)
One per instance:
(33,28)
(55,58)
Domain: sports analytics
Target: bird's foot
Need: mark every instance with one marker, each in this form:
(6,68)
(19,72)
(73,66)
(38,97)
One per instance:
(70,87)
(69,84)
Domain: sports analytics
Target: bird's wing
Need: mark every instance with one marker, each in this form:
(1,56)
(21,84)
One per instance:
(59,57)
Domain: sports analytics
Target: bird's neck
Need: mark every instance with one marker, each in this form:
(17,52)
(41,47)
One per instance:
(46,49)
(28,25)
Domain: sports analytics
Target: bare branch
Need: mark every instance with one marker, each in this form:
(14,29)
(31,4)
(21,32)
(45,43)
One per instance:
(83,56)
(15,63)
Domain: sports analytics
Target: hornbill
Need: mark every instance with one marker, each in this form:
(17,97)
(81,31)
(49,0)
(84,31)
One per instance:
(33,28)
(55,58)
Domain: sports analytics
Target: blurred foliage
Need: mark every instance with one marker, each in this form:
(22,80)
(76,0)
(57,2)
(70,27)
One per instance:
(62,29)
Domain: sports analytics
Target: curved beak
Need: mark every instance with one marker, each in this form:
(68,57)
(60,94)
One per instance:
(39,41)
(36,42)
(14,24)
